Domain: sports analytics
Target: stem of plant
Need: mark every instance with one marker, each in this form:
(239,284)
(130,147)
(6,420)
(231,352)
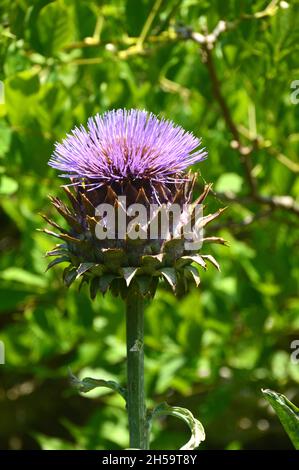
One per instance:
(135,370)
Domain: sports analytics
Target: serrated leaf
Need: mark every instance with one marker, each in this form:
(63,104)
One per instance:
(195,426)
(287,412)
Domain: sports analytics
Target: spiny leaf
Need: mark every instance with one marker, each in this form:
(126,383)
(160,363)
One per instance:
(66,214)
(69,276)
(83,268)
(212,261)
(218,240)
(92,223)
(203,195)
(70,239)
(57,251)
(62,236)
(73,200)
(170,275)
(54,224)
(57,261)
(129,274)
(49,232)
(89,208)
(152,260)
(105,281)
(192,258)
(208,218)
(93,287)
(194,273)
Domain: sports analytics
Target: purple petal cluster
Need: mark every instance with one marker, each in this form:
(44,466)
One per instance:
(126,145)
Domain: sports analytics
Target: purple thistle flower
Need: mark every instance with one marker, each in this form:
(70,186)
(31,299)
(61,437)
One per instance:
(134,154)
(126,145)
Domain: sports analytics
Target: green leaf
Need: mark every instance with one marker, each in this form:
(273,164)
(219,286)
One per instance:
(88,384)
(229,182)
(24,277)
(7,186)
(21,92)
(195,426)
(55,27)
(287,412)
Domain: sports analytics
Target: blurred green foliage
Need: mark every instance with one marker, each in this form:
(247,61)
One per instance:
(213,350)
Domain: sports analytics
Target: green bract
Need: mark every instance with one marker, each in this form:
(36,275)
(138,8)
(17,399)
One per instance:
(118,264)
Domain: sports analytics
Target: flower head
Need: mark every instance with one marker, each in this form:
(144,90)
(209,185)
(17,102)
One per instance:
(126,145)
(134,154)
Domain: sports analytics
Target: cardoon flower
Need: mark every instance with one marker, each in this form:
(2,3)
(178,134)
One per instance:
(123,160)
(136,155)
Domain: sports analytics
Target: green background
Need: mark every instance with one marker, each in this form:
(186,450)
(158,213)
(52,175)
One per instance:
(212,351)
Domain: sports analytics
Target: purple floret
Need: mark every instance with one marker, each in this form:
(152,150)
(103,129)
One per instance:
(126,145)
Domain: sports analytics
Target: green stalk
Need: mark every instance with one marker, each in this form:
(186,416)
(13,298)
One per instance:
(135,370)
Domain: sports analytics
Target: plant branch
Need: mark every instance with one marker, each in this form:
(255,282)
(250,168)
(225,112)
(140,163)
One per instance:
(274,202)
(149,21)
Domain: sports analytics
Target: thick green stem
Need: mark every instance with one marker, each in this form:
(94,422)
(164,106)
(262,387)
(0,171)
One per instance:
(135,371)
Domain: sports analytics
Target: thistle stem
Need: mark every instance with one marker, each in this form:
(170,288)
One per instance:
(135,370)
